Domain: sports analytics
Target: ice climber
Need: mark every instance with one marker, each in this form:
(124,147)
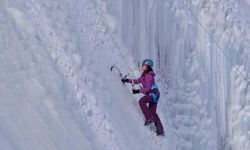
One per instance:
(148,103)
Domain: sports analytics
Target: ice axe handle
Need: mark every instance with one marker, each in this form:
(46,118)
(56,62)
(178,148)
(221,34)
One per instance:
(125,76)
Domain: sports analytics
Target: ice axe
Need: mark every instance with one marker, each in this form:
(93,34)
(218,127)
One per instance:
(119,71)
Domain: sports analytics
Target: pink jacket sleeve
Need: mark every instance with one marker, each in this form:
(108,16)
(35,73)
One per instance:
(135,81)
(146,82)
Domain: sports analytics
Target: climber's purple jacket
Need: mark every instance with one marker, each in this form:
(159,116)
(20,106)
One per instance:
(147,80)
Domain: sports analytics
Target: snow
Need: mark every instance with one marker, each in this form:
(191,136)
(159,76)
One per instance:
(58,92)
(248,1)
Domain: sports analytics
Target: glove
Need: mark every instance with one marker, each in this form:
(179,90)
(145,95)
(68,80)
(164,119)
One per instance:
(124,80)
(135,91)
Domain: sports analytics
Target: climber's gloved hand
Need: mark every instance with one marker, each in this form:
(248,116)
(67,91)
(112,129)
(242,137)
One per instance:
(124,80)
(135,91)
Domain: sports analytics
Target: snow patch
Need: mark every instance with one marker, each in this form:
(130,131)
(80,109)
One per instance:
(78,59)
(248,1)
(108,19)
(21,20)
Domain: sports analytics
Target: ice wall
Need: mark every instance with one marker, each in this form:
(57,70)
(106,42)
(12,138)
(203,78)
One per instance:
(35,103)
(201,50)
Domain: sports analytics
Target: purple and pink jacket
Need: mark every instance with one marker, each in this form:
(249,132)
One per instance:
(147,80)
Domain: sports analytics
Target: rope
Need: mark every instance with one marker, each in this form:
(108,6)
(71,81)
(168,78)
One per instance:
(187,4)
(114,41)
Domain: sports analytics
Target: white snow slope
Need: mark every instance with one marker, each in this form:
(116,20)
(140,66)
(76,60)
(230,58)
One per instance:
(57,90)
